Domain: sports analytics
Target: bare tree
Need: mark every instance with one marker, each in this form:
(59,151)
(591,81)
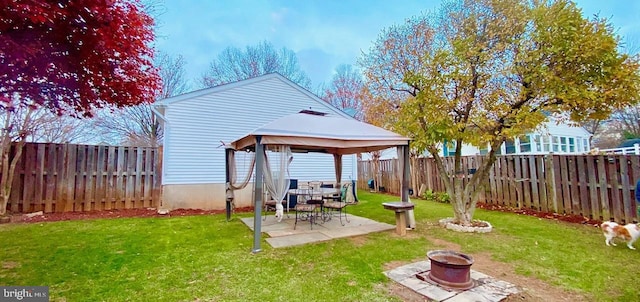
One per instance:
(37,124)
(137,125)
(173,75)
(345,91)
(234,65)
(627,121)
(608,135)
(47,127)
(133,126)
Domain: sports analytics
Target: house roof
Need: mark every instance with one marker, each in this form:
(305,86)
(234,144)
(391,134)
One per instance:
(223,87)
(629,143)
(315,133)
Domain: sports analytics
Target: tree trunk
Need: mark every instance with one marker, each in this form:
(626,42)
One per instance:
(9,163)
(464,195)
(8,169)
(5,188)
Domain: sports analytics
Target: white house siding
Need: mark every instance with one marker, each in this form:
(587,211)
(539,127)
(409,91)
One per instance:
(194,157)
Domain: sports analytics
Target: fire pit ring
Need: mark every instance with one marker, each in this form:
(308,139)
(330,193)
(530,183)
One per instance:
(451,269)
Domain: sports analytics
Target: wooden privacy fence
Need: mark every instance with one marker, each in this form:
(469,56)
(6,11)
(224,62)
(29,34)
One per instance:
(600,187)
(67,177)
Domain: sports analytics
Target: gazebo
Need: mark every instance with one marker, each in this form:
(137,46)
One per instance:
(310,131)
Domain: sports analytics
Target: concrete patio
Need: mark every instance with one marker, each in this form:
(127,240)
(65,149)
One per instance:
(282,234)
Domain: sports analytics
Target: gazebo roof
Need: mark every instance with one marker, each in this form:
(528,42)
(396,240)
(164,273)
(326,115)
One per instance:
(306,132)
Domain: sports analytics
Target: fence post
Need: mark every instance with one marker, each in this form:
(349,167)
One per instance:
(549,167)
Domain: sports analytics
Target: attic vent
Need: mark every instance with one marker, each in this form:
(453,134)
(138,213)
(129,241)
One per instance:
(313,112)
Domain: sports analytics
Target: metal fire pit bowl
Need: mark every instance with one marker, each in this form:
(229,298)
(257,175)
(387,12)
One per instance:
(451,269)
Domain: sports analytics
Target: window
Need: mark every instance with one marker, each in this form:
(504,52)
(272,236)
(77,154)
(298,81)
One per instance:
(484,150)
(563,144)
(510,146)
(448,149)
(545,143)
(536,144)
(572,145)
(555,144)
(579,141)
(525,144)
(585,145)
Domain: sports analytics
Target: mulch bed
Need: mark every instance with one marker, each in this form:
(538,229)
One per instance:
(189,212)
(117,214)
(541,214)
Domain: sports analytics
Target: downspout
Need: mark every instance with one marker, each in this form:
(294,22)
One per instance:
(162,118)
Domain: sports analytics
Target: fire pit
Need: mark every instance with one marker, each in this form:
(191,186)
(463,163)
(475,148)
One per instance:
(450,269)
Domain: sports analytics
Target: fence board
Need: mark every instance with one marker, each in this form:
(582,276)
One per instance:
(593,189)
(81,170)
(129,180)
(595,186)
(111,167)
(565,197)
(542,184)
(612,181)
(583,187)
(100,187)
(38,198)
(120,171)
(602,186)
(71,167)
(27,170)
(90,199)
(574,192)
(517,182)
(533,177)
(137,181)
(504,175)
(50,194)
(66,177)
(526,182)
(624,183)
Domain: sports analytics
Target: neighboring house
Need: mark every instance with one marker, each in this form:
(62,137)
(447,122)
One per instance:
(197,124)
(550,137)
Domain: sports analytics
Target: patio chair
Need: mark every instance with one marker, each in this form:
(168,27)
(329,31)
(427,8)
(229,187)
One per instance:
(338,206)
(313,196)
(305,211)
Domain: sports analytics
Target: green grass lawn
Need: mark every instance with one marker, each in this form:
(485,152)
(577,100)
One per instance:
(206,258)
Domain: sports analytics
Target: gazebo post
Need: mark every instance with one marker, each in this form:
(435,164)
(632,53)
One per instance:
(228,198)
(257,196)
(405,173)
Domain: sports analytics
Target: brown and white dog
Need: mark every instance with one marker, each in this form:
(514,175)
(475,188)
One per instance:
(628,233)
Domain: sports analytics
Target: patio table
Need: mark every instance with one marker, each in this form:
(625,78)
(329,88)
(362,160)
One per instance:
(307,193)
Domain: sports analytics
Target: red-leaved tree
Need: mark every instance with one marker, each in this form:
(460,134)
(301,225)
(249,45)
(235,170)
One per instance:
(69,57)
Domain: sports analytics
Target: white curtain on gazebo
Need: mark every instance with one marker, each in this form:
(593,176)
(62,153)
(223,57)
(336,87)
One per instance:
(233,184)
(277,181)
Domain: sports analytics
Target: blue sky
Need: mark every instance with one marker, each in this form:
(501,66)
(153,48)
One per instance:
(323,34)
